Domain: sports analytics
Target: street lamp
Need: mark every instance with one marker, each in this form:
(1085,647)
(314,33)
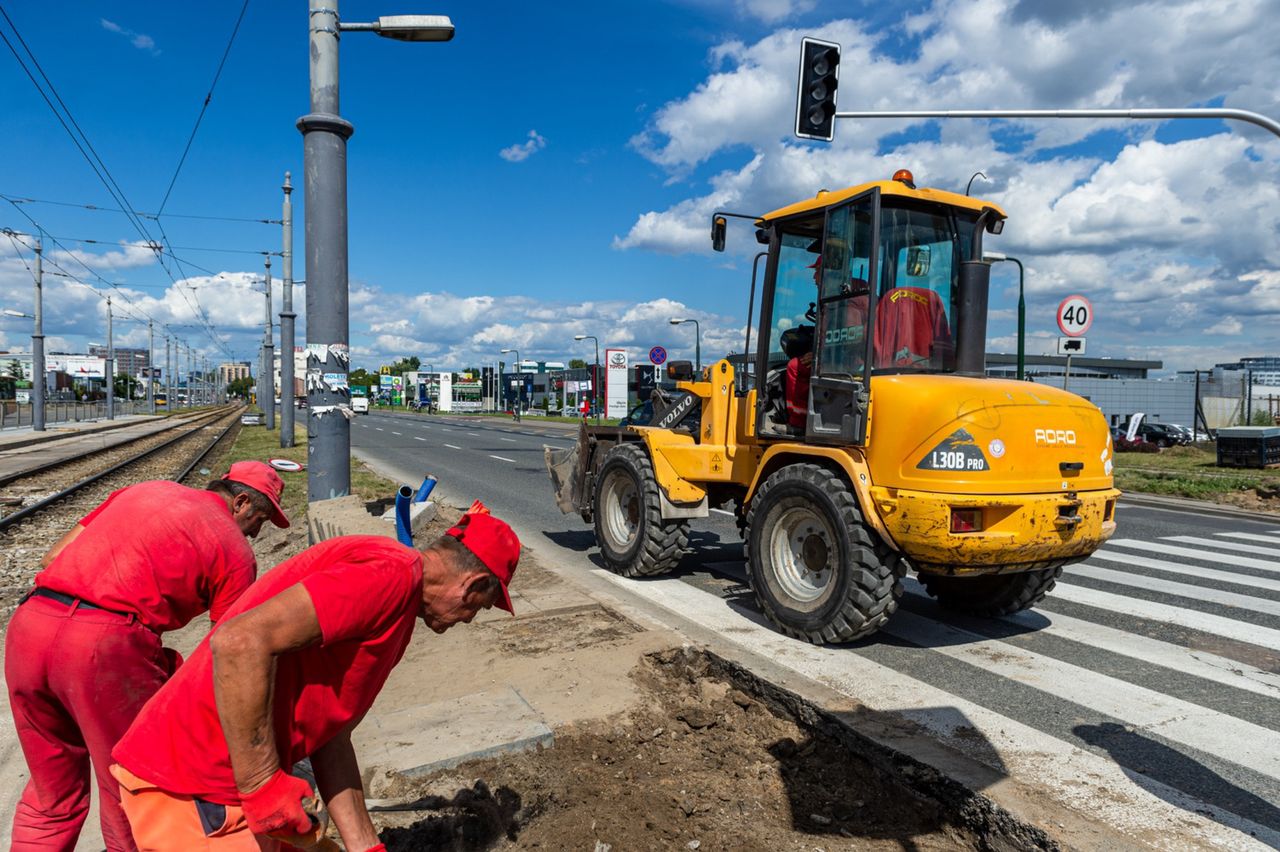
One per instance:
(325,134)
(697,340)
(520,393)
(996,257)
(595,373)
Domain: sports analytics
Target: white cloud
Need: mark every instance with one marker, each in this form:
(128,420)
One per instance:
(524,150)
(1226,325)
(138,40)
(772,11)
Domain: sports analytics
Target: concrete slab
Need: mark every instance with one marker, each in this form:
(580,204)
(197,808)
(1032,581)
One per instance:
(347,515)
(421,739)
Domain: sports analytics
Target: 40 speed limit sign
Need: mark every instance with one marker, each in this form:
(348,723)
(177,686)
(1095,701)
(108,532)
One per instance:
(1075,315)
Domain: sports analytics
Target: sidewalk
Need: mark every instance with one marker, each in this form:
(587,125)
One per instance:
(26,436)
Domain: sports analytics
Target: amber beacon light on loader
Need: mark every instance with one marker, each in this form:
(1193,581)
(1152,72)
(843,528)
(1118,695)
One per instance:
(902,457)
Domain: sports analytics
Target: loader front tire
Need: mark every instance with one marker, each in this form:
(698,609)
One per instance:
(993,595)
(819,573)
(634,539)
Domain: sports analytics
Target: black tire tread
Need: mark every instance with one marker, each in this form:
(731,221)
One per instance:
(875,570)
(1020,591)
(663,542)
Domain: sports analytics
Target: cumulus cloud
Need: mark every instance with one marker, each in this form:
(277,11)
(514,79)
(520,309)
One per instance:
(524,150)
(141,41)
(1168,236)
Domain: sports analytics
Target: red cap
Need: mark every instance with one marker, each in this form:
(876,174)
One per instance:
(494,544)
(261,477)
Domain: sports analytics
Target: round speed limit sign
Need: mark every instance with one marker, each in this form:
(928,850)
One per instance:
(1075,315)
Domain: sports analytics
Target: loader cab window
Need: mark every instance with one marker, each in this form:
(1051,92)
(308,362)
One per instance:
(794,297)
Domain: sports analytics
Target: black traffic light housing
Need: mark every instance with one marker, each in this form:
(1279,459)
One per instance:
(816,93)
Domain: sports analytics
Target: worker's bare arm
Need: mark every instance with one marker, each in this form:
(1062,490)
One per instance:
(244,652)
(60,545)
(338,777)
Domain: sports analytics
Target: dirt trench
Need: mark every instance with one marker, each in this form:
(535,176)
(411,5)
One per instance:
(702,762)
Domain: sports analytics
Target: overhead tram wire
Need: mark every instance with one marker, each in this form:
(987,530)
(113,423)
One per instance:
(207,99)
(97,208)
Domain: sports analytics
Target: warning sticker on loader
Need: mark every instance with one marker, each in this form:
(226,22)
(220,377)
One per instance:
(959,451)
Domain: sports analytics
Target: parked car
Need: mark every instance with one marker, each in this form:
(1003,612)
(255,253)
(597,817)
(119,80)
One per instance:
(1162,434)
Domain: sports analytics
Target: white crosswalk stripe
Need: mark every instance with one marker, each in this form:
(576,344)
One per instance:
(1197,553)
(1227,545)
(1250,536)
(1184,590)
(1188,570)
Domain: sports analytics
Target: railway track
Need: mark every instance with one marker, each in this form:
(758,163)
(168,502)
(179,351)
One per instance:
(56,496)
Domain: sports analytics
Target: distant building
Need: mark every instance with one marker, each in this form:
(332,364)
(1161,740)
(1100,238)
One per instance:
(1264,370)
(129,362)
(1003,365)
(232,371)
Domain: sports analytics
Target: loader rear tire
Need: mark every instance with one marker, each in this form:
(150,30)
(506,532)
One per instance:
(634,539)
(819,573)
(993,595)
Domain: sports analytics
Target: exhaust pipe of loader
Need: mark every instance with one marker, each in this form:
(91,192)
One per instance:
(971,318)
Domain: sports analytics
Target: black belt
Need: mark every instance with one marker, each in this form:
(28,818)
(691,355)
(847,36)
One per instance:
(71,600)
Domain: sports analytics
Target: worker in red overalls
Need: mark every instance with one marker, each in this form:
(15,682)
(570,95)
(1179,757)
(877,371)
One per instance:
(83,650)
(288,674)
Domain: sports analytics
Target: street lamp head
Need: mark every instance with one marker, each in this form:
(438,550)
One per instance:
(10,312)
(677,320)
(579,337)
(415,27)
(993,256)
(505,351)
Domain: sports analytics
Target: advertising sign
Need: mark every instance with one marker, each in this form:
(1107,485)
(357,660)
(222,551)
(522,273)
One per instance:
(615,382)
(445,401)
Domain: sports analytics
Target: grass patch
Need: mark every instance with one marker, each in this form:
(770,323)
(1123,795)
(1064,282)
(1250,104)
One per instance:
(1192,472)
(258,443)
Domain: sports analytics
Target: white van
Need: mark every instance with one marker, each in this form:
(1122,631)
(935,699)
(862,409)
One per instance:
(360,404)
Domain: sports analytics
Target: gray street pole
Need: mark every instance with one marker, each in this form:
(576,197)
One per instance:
(324,140)
(168,378)
(268,397)
(37,347)
(151,367)
(109,368)
(287,317)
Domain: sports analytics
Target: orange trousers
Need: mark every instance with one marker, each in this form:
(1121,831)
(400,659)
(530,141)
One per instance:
(169,822)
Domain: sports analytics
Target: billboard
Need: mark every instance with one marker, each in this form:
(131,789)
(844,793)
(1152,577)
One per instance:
(79,366)
(445,400)
(615,383)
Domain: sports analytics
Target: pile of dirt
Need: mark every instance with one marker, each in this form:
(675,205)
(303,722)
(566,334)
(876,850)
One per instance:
(697,764)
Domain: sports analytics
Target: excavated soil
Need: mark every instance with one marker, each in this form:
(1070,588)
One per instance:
(697,764)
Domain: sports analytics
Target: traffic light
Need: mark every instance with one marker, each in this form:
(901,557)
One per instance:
(816,93)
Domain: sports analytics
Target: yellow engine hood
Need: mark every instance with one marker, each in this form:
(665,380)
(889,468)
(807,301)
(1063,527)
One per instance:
(961,435)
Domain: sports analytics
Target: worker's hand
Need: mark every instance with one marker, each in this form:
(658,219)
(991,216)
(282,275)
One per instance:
(276,806)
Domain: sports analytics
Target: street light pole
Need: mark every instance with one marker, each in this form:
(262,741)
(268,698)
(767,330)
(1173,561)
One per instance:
(151,367)
(595,372)
(992,256)
(268,359)
(109,370)
(287,317)
(37,346)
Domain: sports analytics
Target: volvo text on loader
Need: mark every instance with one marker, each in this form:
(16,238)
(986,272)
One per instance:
(909,458)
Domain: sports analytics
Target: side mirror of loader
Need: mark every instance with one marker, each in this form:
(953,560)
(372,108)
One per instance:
(680,371)
(718,224)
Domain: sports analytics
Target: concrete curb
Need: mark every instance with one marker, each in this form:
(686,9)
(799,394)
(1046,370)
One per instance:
(1199,507)
(59,436)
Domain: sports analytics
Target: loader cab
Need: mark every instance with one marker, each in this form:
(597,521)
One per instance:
(881,278)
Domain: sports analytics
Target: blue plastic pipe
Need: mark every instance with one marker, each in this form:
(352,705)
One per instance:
(424,490)
(403,532)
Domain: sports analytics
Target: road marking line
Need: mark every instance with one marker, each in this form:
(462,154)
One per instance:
(1269,539)
(725,512)
(502,458)
(1016,749)
(1182,590)
(397,433)
(1167,655)
(1227,628)
(1189,570)
(1196,553)
(1172,718)
(1229,545)
(452,447)
(509,440)
(474,434)
(379,428)
(447,430)
(417,438)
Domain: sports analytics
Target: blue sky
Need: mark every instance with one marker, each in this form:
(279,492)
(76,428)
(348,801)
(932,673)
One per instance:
(551,171)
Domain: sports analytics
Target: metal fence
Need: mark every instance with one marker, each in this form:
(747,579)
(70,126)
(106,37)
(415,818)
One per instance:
(15,414)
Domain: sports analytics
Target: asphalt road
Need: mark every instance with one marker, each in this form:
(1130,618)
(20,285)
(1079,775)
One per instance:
(1143,690)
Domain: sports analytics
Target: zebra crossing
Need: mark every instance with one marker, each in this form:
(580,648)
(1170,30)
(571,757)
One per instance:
(1142,692)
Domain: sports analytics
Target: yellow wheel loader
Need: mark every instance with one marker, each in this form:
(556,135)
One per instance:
(899,455)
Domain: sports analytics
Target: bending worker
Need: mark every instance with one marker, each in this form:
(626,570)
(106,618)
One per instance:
(83,651)
(288,675)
